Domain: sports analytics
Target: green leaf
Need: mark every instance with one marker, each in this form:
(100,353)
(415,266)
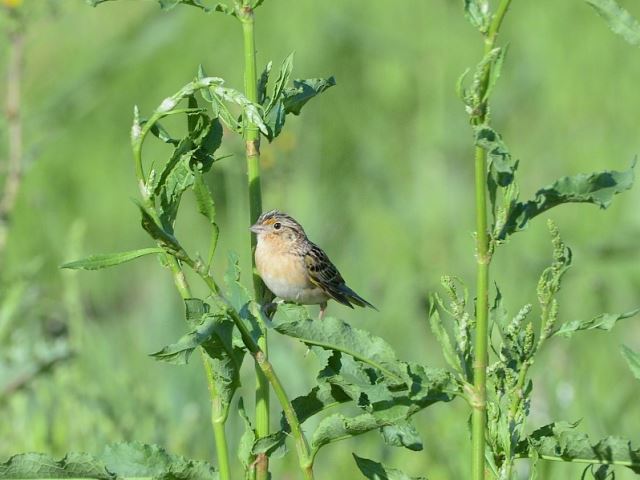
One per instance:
(304,90)
(604,321)
(178,353)
(560,441)
(333,334)
(165,239)
(501,166)
(249,109)
(274,445)
(214,332)
(262,84)
(240,298)
(633,359)
(360,383)
(402,434)
(140,460)
(619,20)
(40,466)
(596,188)
(377,471)
(429,386)
(281,82)
(170,4)
(248,438)
(321,397)
(438,329)
(206,207)
(118,462)
(96,262)
(227,10)
(477,12)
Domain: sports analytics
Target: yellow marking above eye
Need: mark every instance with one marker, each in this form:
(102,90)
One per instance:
(269,221)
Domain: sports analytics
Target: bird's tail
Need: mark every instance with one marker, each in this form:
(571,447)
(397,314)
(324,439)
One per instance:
(356,299)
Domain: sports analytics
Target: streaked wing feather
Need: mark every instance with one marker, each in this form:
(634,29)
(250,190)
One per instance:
(324,274)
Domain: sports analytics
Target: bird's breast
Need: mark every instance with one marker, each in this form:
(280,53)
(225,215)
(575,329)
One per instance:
(285,274)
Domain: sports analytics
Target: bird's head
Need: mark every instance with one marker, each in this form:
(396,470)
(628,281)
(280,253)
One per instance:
(278,226)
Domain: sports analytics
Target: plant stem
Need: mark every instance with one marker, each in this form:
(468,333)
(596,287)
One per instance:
(14,128)
(483,259)
(218,415)
(252,147)
(304,456)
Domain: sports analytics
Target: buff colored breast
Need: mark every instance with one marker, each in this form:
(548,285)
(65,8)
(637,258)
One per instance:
(285,274)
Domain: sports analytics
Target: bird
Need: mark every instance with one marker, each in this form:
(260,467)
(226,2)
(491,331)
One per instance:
(294,268)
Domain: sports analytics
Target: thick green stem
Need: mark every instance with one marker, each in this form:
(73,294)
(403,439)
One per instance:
(483,258)
(252,146)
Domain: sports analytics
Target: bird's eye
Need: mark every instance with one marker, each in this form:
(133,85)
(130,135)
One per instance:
(277,225)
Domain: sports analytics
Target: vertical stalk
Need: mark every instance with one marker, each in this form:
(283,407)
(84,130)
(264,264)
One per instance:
(483,260)
(14,124)
(252,147)
(218,415)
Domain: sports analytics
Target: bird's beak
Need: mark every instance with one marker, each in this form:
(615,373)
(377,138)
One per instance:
(256,228)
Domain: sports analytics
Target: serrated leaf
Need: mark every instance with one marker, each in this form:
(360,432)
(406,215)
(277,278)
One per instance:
(170,4)
(304,90)
(262,84)
(274,445)
(206,207)
(164,238)
(500,163)
(633,360)
(281,82)
(619,20)
(438,329)
(247,439)
(120,461)
(321,397)
(361,384)
(96,262)
(477,12)
(249,109)
(161,133)
(402,434)
(377,471)
(561,441)
(141,460)
(596,188)
(40,466)
(178,353)
(333,334)
(214,332)
(429,386)
(604,321)
(239,297)
(227,10)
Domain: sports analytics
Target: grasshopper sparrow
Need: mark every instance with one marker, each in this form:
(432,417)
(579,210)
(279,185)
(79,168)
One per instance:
(294,268)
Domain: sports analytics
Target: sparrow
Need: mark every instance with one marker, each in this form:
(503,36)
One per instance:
(294,268)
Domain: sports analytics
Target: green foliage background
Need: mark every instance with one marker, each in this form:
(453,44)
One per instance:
(379,171)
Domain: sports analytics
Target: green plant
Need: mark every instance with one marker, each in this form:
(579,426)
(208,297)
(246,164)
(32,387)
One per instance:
(361,373)
(497,387)
(229,322)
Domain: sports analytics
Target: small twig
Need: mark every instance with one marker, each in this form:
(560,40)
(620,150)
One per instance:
(14,131)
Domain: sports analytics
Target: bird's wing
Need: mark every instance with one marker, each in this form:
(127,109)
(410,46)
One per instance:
(325,275)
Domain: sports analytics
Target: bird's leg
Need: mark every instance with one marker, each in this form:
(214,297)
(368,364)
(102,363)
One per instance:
(323,307)
(269,308)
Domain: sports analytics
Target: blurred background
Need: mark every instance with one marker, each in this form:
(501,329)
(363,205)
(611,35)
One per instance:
(379,171)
